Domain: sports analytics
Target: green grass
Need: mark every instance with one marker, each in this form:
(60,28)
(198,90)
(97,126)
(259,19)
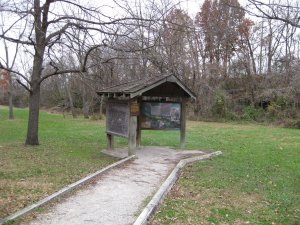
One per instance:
(256,181)
(69,149)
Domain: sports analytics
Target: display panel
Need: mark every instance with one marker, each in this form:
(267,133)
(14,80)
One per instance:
(117,116)
(134,109)
(160,116)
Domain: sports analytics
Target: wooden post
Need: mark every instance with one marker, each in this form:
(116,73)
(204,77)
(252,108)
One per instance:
(132,135)
(110,142)
(182,124)
(139,132)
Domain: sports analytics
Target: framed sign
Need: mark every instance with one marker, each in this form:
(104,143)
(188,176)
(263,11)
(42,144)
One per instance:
(134,109)
(160,116)
(117,117)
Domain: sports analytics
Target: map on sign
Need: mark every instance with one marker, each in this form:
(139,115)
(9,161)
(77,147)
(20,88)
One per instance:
(117,117)
(160,116)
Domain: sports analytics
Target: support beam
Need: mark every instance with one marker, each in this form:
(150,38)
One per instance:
(110,141)
(139,133)
(182,124)
(132,135)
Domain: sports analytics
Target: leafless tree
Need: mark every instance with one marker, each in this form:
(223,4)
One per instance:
(287,11)
(49,25)
(10,64)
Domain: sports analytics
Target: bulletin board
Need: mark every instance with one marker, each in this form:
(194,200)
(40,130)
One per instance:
(160,115)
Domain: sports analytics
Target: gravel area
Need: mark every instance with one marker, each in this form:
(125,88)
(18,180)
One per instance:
(120,194)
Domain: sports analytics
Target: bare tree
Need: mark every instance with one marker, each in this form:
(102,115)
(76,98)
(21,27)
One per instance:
(287,11)
(10,94)
(49,26)
(10,64)
(68,83)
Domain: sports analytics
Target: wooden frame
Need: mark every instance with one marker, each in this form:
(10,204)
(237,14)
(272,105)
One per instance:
(109,129)
(167,102)
(133,94)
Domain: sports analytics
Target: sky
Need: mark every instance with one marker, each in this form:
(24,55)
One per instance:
(191,6)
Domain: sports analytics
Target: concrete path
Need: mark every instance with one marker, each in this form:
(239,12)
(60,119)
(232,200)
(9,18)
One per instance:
(119,195)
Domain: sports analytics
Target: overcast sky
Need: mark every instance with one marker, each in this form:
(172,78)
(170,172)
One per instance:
(191,6)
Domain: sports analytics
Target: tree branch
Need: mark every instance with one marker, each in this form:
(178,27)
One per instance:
(273,15)
(80,70)
(14,40)
(23,85)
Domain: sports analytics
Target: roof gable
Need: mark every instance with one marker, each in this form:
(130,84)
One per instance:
(150,87)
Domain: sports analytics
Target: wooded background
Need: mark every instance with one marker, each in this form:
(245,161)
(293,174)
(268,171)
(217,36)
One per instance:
(243,63)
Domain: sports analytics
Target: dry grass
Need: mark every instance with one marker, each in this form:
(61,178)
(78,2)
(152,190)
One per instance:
(69,150)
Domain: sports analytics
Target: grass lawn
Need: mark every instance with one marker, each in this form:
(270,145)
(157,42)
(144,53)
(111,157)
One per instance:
(256,181)
(69,149)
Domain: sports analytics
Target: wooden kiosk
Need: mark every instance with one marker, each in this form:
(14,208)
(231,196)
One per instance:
(156,103)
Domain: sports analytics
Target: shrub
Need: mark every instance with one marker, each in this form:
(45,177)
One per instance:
(296,124)
(232,116)
(219,107)
(94,116)
(283,102)
(252,113)
(273,109)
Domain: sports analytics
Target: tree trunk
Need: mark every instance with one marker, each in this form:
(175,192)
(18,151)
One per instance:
(85,103)
(68,89)
(34,95)
(10,99)
(225,66)
(35,91)
(261,48)
(251,56)
(33,119)
(86,109)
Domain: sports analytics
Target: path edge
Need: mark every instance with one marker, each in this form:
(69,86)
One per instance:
(166,187)
(63,191)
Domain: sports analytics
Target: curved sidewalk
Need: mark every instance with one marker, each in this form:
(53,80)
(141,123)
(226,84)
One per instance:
(119,195)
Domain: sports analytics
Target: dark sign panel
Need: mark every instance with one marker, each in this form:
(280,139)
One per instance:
(160,116)
(117,116)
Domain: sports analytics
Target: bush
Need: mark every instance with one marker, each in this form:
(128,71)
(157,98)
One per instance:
(283,102)
(94,116)
(219,108)
(273,109)
(231,115)
(296,124)
(252,113)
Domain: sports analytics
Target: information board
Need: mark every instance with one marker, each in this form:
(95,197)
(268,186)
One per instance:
(134,109)
(117,117)
(160,116)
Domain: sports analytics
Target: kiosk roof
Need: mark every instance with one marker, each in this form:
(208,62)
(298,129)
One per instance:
(163,85)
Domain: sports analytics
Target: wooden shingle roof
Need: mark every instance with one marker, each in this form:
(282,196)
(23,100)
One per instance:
(142,87)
